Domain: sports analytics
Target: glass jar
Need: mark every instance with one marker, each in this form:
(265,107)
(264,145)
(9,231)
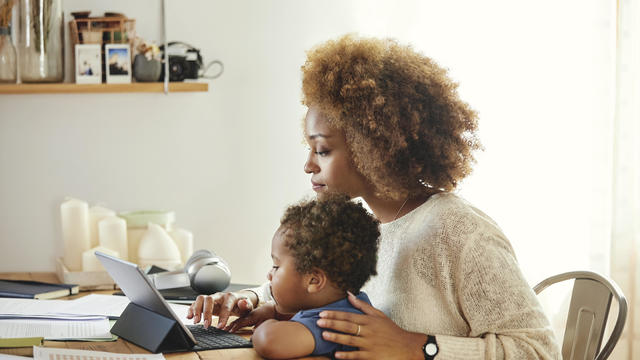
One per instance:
(41,41)
(8,69)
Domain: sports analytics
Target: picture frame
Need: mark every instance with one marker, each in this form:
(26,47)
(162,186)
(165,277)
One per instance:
(88,64)
(117,63)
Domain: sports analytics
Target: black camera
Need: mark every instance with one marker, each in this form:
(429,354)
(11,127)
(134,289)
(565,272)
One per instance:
(184,62)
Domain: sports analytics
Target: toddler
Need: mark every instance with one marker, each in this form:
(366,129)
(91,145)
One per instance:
(322,250)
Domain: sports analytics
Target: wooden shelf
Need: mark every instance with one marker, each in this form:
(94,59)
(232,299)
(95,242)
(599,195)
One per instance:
(67,88)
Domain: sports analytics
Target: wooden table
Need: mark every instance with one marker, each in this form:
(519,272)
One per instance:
(121,345)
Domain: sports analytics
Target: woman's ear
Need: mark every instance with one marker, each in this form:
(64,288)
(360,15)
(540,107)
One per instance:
(316,280)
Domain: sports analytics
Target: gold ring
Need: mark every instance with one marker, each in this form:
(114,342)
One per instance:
(358,332)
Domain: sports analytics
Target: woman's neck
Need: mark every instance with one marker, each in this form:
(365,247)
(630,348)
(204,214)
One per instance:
(387,210)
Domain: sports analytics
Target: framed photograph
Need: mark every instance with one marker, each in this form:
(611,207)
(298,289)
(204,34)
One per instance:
(118,63)
(88,64)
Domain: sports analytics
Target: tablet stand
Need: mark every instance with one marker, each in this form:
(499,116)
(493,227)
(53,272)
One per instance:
(150,330)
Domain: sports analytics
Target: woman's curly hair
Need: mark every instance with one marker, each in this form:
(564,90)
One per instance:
(407,129)
(335,235)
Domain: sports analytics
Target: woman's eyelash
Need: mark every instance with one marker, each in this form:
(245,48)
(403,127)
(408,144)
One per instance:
(322,153)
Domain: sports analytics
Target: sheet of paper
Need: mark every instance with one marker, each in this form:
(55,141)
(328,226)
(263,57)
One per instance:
(113,306)
(97,304)
(11,308)
(181,312)
(110,338)
(54,329)
(93,306)
(43,353)
(13,357)
(15,306)
(53,316)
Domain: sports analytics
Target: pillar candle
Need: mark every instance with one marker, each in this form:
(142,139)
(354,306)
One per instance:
(158,248)
(75,232)
(184,240)
(112,234)
(97,213)
(91,263)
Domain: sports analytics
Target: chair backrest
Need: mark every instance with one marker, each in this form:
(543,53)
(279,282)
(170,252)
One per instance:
(588,312)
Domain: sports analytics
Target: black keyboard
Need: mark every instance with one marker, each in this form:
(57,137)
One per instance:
(213,338)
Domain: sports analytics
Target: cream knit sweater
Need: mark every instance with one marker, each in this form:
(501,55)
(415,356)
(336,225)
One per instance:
(446,269)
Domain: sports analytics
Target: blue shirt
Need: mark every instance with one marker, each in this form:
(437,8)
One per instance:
(309,317)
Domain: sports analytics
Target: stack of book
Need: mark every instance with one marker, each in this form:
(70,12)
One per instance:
(35,289)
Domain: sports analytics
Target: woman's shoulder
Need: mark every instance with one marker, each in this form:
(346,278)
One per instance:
(453,221)
(451,208)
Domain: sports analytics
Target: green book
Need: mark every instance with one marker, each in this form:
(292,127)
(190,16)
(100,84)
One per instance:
(35,289)
(20,342)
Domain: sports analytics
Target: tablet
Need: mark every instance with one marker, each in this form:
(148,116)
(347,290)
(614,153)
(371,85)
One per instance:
(138,288)
(149,321)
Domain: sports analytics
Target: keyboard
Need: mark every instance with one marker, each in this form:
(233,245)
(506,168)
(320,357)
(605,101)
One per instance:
(213,338)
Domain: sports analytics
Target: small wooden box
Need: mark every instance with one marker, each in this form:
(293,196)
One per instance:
(87,280)
(102,30)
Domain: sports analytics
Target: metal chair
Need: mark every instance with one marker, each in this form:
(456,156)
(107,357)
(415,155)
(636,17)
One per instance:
(588,312)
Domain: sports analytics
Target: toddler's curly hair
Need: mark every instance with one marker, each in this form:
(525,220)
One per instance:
(408,131)
(335,235)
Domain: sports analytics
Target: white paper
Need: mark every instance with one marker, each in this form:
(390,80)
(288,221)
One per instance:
(181,312)
(52,317)
(97,304)
(54,329)
(12,306)
(93,306)
(113,306)
(44,353)
(13,357)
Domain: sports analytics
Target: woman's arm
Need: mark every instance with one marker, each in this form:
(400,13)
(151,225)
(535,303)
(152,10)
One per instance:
(262,294)
(504,316)
(225,304)
(282,339)
(373,333)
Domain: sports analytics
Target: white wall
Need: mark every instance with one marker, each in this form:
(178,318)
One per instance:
(229,161)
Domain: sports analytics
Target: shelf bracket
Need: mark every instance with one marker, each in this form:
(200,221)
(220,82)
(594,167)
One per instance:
(166,47)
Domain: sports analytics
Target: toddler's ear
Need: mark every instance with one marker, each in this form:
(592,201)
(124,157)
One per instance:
(316,280)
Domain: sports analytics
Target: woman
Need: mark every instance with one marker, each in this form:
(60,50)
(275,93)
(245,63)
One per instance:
(385,123)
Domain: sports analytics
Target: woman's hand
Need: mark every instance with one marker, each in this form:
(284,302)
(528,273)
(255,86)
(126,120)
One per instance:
(221,304)
(376,336)
(256,317)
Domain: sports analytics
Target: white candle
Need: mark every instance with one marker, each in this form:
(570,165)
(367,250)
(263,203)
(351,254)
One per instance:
(134,234)
(97,213)
(184,240)
(91,263)
(158,248)
(75,232)
(112,234)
